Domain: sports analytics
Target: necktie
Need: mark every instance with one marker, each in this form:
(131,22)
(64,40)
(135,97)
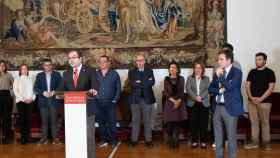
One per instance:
(219,98)
(225,74)
(75,76)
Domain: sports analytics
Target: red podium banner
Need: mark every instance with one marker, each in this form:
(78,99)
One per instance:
(75,98)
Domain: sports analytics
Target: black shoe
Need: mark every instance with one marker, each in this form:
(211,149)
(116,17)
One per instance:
(132,144)
(170,143)
(23,141)
(149,144)
(176,144)
(7,141)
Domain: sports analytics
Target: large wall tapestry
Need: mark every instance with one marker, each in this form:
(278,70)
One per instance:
(166,30)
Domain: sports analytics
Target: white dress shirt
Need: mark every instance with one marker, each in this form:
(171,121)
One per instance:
(227,69)
(23,88)
(197,85)
(79,69)
(48,78)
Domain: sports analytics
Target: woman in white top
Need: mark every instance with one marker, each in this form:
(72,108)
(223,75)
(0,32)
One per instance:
(23,89)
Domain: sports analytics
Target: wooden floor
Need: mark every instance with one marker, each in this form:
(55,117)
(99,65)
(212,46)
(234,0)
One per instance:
(159,151)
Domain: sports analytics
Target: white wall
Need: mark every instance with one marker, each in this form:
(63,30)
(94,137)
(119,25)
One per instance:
(253,26)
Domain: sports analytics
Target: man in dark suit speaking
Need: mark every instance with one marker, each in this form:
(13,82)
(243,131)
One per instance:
(79,77)
(228,105)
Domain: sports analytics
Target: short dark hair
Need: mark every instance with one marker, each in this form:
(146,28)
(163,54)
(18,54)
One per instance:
(228,54)
(20,67)
(105,56)
(78,53)
(228,46)
(47,60)
(5,64)
(177,66)
(262,54)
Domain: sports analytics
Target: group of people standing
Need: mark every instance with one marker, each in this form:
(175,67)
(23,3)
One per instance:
(104,86)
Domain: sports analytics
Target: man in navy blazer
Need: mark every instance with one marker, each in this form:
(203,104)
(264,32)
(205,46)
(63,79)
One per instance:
(46,84)
(227,103)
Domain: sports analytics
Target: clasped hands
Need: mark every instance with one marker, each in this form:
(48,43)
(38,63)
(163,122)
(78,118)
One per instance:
(48,94)
(256,100)
(176,102)
(93,92)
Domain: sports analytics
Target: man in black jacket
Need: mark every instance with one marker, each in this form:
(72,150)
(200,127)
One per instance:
(141,98)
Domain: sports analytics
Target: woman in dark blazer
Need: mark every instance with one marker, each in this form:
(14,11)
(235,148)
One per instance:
(174,104)
(198,101)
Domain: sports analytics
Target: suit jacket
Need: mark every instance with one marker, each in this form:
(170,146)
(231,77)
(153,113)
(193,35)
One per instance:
(232,95)
(86,80)
(192,91)
(145,87)
(41,85)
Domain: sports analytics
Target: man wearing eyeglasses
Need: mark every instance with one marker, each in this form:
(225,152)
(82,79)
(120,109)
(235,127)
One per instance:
(141,98)
(79,77)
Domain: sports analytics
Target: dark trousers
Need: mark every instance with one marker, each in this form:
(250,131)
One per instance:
(5,115)
(49,118)
(107,119)
(199,116)
(25,111)
(173,131)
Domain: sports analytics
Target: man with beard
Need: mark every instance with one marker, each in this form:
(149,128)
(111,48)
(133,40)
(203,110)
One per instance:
(259,87)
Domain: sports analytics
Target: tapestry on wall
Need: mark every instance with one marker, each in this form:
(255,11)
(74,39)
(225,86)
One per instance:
(166,30)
